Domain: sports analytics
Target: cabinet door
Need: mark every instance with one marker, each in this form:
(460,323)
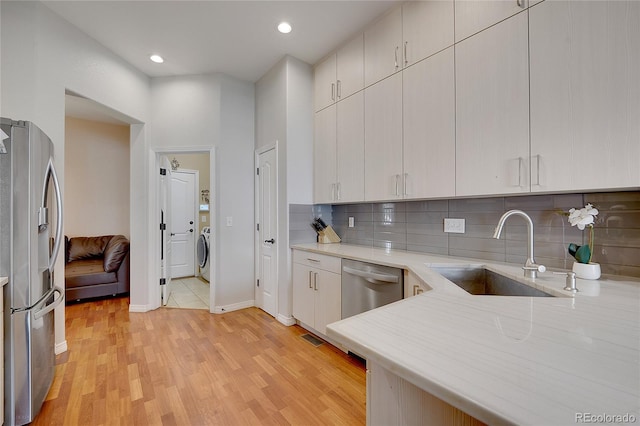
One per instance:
(324,80)
(350,67)
(303,294)
(328,301)
(350,149)
(324,155)
(383,140)
(382,47)
(492,110)
(427,28)
(473,16)
(428,117)
(585,95)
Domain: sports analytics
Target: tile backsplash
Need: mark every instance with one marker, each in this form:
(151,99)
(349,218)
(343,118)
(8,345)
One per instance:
(418,226)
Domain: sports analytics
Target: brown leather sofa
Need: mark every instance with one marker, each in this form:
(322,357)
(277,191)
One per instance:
(96,266)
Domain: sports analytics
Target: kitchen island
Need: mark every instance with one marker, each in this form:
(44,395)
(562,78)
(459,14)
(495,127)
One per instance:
(500,359)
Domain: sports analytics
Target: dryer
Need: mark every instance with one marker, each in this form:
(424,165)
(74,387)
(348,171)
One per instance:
(204,253)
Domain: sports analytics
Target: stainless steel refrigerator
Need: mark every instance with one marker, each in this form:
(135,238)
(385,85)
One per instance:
(30,239)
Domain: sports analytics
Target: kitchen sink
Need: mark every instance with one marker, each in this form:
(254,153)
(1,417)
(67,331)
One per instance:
(481,281)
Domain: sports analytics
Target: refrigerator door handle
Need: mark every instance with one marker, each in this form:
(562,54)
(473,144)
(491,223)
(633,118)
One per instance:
(51,172)
(48,308)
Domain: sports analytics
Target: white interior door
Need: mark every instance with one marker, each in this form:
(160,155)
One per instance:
(165,229)
(183,226)
(267,290)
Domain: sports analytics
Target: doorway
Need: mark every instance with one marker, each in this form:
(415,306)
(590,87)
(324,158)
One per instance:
(266,294)
(190,214)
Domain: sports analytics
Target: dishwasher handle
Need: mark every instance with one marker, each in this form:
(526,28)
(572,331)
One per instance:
(371,276)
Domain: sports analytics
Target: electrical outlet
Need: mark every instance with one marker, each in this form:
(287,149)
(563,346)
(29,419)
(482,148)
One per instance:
(351,222)
(455,226)
(229,221)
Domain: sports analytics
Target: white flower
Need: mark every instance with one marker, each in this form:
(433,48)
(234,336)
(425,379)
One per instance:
(583,217)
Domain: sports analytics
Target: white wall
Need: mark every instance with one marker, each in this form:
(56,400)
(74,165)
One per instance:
(284,113)
(201,112)
(41,55)
(96,197)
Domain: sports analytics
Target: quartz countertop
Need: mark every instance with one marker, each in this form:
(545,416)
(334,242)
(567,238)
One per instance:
(3,281)
(504,359)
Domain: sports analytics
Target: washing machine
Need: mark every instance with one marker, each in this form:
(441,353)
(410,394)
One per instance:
(204,253)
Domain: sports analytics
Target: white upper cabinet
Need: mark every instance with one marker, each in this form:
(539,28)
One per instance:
(429,127)
(383,142)
(427,28)
(492,110)
(383,47)
(585,95)
(350,67)
(325,83)
(473,16)
(350,149)
(324,156)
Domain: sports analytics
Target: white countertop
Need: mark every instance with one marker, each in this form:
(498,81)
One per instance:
(3,281)
(504,359)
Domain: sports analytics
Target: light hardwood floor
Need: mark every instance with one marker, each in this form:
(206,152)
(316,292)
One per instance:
(190,367)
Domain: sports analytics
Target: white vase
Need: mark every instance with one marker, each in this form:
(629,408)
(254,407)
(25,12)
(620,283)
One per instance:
(587,271)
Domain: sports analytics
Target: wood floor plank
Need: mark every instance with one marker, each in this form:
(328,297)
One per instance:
(182,367)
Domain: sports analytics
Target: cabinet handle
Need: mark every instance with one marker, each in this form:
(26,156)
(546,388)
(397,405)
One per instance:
(396,61)
(333,91)
(333,191)
(339,89)
(520,3)
(310,274)
(315,281)
(415,289)
(406,178)
(520,171)
(397,183)
(538,169)
(406,59)
(338,190)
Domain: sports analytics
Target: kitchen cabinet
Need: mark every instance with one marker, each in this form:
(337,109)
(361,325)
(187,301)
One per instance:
(427,28)
(492,110)
(383,47)
(339,152)
(472,16)
(413,286)
(316,290)
(428,116)
(340,74)
(324,155)
(585,95)
(383,170)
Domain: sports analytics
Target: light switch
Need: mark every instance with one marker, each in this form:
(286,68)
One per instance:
(351,222)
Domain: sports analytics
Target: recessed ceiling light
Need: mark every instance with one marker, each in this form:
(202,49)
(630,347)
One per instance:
(284,27)
(157,59)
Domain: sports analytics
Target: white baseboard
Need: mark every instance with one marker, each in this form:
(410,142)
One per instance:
(60,347)
(288,321)
(139,308)
(233,307)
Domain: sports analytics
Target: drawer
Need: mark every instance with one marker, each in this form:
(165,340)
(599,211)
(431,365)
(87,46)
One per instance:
(320,261)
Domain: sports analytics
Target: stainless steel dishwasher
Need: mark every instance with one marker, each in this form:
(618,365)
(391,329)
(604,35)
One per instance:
(367,286)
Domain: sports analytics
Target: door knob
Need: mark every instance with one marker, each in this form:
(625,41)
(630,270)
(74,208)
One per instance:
(271,241)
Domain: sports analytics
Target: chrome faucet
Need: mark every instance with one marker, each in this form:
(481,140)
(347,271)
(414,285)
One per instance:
(530,267)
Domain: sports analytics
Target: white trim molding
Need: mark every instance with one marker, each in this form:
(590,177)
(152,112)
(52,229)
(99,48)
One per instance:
(233,307)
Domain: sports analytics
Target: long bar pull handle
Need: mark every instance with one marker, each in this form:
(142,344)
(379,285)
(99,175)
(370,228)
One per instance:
(406,59)
(333,91)
(397,185)
(315,281)
(406,178)
(520,161)
(339,89)
(51,172)
(333,191)
(538,169)
(396,60)
(310,275)
(520,3)
(338,186)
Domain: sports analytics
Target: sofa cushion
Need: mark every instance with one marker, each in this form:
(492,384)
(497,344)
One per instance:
(87,247)
(81,273)
(114,252)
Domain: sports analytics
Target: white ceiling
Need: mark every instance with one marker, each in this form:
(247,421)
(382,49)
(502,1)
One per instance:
(238,38)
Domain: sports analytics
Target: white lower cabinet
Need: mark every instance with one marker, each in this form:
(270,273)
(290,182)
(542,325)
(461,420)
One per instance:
(413,286)
(316,290)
